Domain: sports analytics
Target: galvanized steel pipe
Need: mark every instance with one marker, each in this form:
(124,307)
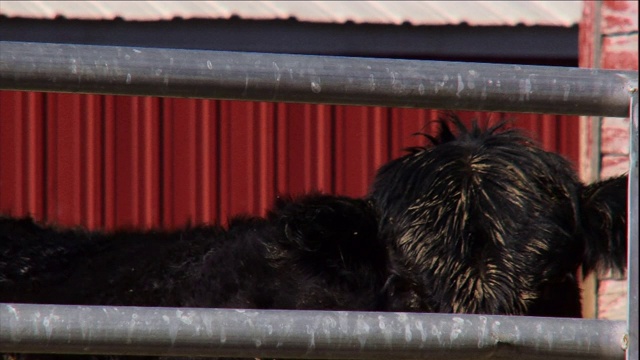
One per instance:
(28,328)
(313,79)
(633,262)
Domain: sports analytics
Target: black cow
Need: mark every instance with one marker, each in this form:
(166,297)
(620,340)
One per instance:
(481,222)
(487,222)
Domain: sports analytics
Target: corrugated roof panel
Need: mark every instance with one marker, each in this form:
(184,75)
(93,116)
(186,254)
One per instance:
(466,11)
(565,11)
(520,13)
(27,9)
(358,12)
(555,13)
(74,9)
(137,9)
(439,13)
(248,9)
(304,10)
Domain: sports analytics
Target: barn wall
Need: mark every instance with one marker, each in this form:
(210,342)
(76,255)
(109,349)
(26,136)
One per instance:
(609,40)
(118,161)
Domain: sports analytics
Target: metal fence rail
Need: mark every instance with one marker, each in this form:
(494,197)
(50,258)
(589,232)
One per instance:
(313,79)
(301,334)
(633,253)
(336,80)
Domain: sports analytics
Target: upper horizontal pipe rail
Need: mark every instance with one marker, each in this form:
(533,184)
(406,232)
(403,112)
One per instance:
(110,330)
(314,79)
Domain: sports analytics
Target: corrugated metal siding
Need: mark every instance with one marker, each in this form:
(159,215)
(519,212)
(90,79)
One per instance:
(475,13)
(113,161)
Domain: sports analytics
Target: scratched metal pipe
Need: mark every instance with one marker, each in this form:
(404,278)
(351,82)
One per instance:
(70,329)
(632,223)
(313,79)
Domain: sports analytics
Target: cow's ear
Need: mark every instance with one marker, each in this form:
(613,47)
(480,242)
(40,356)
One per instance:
(604,222)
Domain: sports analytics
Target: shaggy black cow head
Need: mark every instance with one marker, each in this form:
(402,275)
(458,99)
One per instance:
(488,222)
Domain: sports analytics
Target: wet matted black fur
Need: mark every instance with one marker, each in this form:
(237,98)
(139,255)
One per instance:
(485,221)
(312,252)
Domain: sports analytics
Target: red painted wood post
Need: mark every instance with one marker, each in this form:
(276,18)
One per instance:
(609,40)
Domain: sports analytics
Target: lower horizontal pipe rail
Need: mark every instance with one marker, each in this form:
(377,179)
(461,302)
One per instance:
(116,330)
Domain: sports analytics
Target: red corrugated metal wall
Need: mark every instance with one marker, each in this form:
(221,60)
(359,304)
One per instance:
(114,161)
